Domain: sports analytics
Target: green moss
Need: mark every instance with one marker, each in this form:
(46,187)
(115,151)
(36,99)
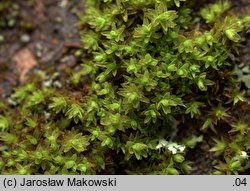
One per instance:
(151,72)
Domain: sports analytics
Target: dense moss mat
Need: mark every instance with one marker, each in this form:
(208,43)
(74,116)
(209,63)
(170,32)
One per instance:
(160,82)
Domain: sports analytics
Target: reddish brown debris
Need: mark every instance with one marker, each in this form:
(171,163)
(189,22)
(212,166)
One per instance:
(24,61)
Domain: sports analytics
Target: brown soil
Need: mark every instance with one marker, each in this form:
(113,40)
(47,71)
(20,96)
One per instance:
(45,37)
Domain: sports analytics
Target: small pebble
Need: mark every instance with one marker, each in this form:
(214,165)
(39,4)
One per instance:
(39,49)
(39,54)
(11,22)
(63,3)
(39,46)
(25,38)
(2,38)
(58,19)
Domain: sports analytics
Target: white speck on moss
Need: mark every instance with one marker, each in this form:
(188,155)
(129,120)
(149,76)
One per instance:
(171,146)
(244,155)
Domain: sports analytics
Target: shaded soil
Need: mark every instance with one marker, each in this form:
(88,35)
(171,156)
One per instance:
(45,34)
